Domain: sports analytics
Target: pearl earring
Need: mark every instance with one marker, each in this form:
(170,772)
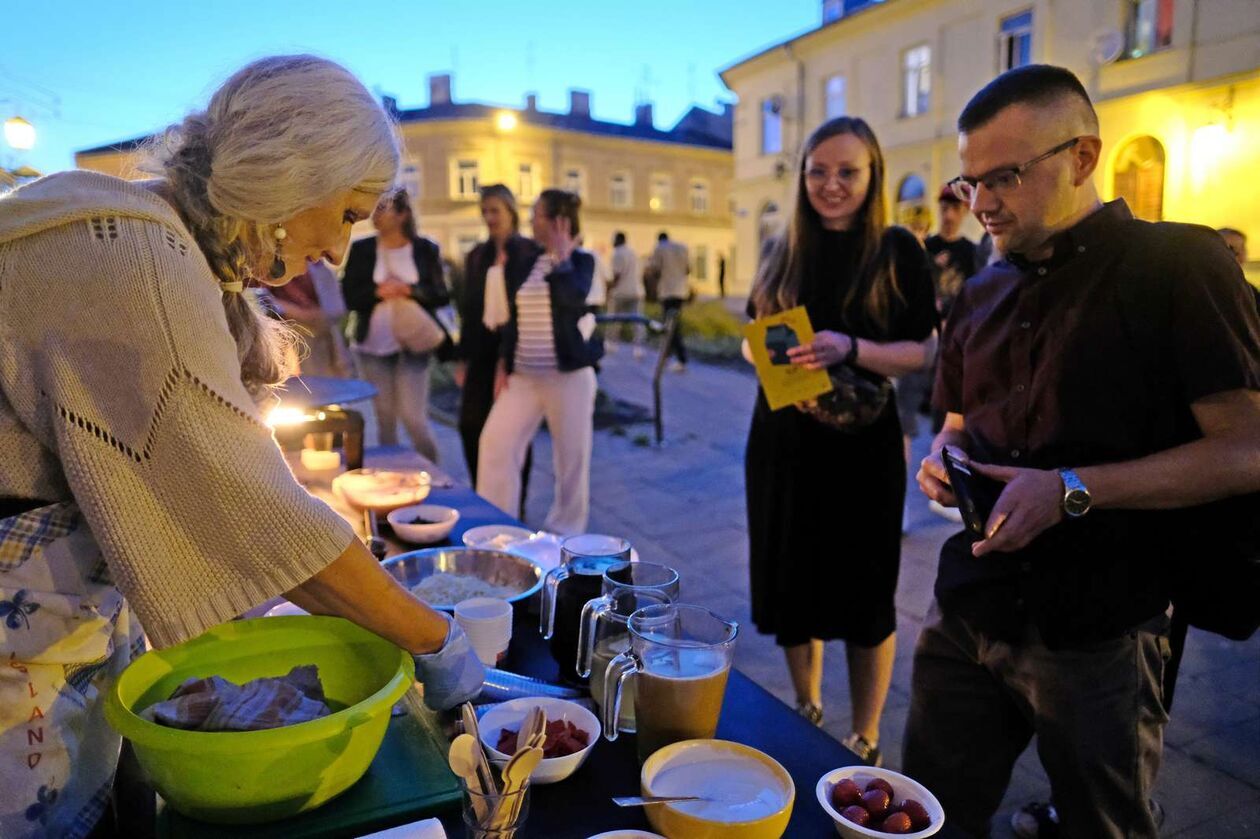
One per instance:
(277,265)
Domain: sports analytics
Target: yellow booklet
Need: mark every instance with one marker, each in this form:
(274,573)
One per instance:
(770,338)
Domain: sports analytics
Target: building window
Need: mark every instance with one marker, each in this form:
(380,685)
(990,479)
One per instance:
(916,65)
(619,194)
(1139,177)
(527,181)
(835,101)
(699,196)
(701,268)
(1149,26)
(772,125)
(660,199)
(410,179)
(575,180)
(769,224)
(1015,41)
(465,179)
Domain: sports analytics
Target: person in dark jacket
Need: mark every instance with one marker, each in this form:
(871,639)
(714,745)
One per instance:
(396,263)
(545,368)
(479,331)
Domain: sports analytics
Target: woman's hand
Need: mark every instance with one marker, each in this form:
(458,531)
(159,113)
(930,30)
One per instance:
(826,349)
(562,245)
(392,289)
(500,379)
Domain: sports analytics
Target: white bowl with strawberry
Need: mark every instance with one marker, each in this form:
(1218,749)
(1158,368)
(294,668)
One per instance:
(867,802)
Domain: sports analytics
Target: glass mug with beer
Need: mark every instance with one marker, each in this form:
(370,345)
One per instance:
(680,656)
(567,588)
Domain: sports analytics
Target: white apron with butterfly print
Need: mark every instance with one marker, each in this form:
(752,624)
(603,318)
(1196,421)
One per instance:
(65,633)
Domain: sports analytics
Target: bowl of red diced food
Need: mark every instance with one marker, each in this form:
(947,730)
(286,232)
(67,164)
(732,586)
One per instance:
(571,734)
(865,802)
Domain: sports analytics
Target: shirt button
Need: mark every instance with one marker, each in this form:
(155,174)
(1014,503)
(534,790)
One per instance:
(1019,388)
(1080,249)
(1041,272)
(1014,452)
(1026,325)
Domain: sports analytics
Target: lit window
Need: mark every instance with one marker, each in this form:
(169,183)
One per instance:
(619,194)
(465,179)
(916,66)
(701,268)
(1150,26)
(527,181)
(836,104)
(660,197)
(772,125)
(699,196)
(575,180)
(410,179)
(1015,41)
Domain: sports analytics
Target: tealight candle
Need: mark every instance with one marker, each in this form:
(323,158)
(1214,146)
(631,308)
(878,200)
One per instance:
(317,461)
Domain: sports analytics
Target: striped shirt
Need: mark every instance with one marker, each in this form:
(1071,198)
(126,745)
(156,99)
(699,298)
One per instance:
(535,340)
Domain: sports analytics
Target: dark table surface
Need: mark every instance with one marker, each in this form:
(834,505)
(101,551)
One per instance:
(581,805)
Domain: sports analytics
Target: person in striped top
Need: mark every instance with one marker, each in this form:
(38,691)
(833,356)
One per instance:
(545,369)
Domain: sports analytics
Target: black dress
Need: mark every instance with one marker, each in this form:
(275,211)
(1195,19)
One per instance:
(824,506)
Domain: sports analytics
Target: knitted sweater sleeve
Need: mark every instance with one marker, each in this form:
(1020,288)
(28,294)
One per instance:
(120,361)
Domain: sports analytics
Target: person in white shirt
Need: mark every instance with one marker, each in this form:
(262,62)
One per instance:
(671,263)
(626,295)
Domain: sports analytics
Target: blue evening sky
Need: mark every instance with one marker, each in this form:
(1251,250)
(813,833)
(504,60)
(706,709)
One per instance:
(89,73)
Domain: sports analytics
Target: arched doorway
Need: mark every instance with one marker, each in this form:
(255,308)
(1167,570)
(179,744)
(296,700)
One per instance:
(1138,177)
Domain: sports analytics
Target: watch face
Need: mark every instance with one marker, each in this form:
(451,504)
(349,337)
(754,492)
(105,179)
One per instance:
(1076,502)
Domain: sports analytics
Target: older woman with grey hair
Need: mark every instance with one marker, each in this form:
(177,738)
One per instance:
(140,489)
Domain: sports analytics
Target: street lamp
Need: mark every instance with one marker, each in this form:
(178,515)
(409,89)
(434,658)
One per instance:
(19,133)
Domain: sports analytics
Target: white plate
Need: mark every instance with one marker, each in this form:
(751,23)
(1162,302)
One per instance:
(627,834)
(495,537)
(381,489)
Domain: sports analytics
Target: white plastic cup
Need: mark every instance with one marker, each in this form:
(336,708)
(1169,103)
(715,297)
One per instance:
(487,621)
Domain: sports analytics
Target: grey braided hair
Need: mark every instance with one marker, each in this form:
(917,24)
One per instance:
(282,135)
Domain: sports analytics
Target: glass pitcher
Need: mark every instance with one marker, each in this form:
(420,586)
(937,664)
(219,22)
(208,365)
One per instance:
(605,635)
(680,657)
(627,576)
(567,588)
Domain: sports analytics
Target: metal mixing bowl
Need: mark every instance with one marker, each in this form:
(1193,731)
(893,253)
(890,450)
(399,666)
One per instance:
(497,567)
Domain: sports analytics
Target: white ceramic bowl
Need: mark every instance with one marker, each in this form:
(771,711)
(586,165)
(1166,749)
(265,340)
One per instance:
(512,715)
(495,537)
(903,786)
(443,518)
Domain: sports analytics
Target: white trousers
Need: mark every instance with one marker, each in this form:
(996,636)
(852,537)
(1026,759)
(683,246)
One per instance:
(567,401)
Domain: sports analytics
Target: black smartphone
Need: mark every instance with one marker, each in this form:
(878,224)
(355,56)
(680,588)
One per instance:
(977,494)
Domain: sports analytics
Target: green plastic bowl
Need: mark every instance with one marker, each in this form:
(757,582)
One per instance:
(258,776)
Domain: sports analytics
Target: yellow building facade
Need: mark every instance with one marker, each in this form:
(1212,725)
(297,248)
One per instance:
(632,178)
(1176,84)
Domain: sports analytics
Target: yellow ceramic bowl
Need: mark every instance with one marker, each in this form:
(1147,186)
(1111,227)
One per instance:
(755,793)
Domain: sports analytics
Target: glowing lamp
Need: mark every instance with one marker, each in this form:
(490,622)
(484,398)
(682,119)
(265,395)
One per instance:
(505,121)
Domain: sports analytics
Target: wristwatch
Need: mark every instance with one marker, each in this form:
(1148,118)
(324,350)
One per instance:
(1076,498)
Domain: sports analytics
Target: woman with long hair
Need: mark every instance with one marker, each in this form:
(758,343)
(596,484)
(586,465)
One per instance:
(395,264)
(141,490)
(545,368)
(481,326)
(824,502)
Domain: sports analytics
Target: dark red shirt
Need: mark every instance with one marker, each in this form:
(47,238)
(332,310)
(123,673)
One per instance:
(1092,356)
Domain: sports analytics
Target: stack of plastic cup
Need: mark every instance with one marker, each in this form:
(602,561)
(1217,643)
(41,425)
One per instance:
(487,621)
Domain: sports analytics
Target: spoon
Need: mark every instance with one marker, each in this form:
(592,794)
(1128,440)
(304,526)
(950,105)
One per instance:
(515,775)
(644,800)
(469,716)
(464,764)
(535,723)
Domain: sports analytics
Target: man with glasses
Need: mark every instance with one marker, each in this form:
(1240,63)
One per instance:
(1105,370)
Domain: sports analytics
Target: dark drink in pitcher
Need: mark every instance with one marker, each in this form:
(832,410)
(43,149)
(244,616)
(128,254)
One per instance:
(583,560)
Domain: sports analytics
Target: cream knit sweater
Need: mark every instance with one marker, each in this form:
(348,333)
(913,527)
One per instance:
(120,390)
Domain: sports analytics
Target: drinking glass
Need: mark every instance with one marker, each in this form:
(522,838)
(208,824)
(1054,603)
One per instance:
(567,588)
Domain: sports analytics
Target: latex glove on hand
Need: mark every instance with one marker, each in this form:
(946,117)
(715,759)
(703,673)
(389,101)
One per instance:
(453,675)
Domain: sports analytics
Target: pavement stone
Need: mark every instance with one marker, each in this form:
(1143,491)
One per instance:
(682,504)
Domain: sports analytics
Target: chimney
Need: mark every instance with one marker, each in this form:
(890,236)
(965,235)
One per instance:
(439,89)
(531,101)
(643,115)
(580,103)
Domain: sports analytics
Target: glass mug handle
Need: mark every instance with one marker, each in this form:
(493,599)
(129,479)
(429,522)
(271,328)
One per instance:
(551,584)
(587,628)
(620,668)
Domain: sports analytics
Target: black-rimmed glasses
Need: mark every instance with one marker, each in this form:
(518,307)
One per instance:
(1002,180)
